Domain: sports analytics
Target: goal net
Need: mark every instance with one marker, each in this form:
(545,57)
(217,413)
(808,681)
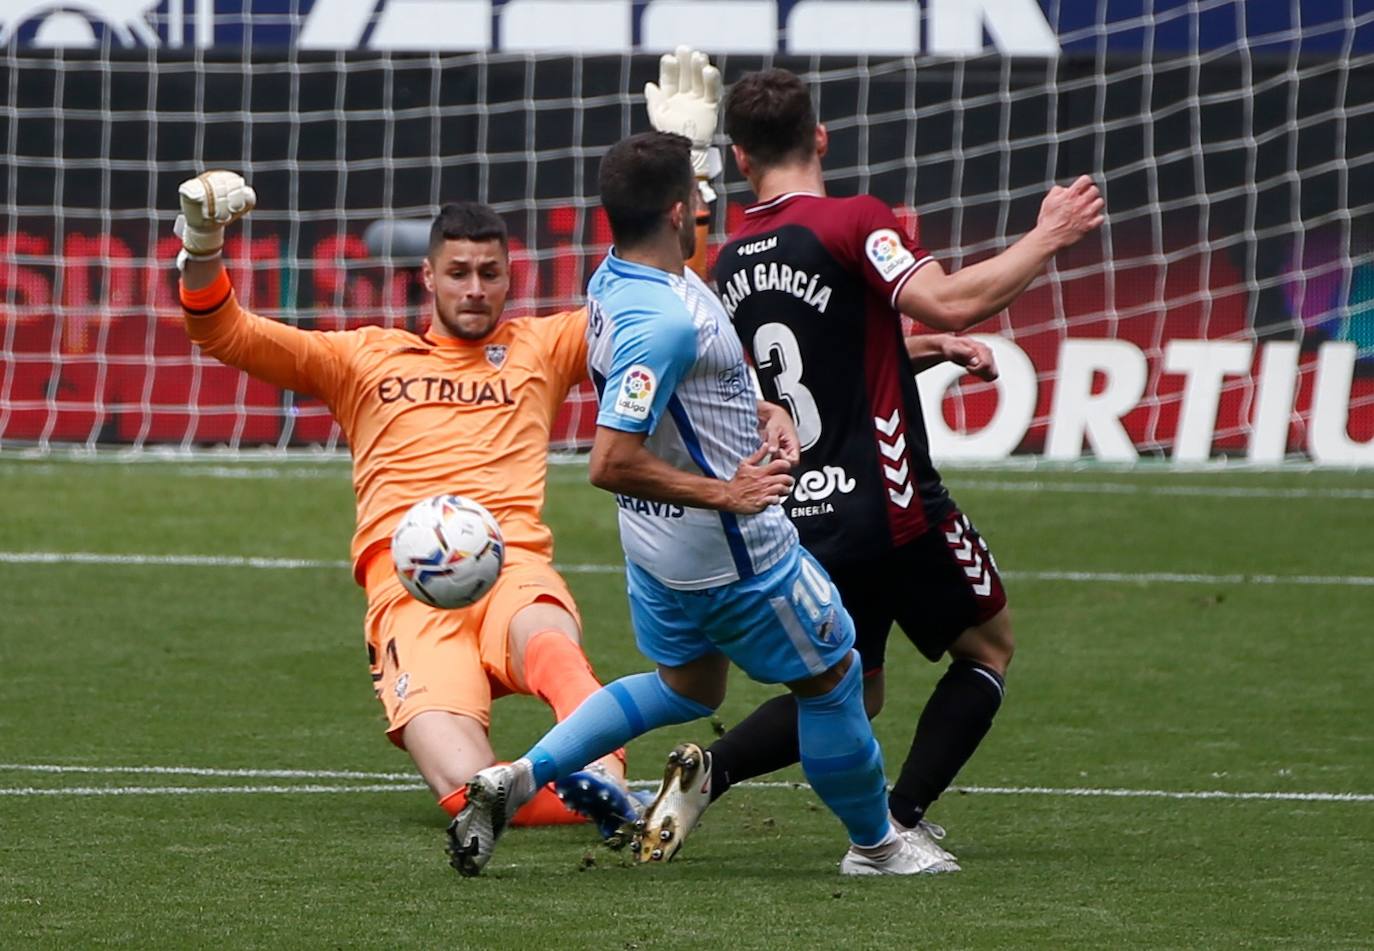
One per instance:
(1226,309)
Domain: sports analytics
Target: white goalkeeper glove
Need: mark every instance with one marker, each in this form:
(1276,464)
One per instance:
(209,202)
(686,100)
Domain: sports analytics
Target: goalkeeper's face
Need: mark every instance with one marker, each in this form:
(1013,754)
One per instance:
(470,281)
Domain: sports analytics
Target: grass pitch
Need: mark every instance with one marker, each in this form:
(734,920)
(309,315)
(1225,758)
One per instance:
(214,771)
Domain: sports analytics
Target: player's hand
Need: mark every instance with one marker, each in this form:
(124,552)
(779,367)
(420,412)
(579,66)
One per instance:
(757,484)
(686,100)
(209,202)
(973,355)
(779,433)
(1067,214)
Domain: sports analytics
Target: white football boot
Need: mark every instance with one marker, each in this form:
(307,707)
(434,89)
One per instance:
(681,799)
(909,855)
(931,833)
(494,795)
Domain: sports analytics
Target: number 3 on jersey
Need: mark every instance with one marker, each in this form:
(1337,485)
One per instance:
(777,353)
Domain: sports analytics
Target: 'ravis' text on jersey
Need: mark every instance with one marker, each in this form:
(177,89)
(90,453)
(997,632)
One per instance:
(774,276)
(645,507)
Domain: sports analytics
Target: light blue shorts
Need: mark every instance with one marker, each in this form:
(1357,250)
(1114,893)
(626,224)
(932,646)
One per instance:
(783,625)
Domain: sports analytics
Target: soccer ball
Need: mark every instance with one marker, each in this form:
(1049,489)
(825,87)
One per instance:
(448,551)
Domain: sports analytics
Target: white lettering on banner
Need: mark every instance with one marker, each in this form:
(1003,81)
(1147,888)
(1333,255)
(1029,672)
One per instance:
(458,25)
(1328,441)
(1016,398)
(73,25)
(1205,363)
(1077,412)
(339,24)
(587,26)
(1278,384)
(876,27)
(1017,27)
(725,26)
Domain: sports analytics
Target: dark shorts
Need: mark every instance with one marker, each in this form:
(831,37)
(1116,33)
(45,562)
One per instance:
(934,588)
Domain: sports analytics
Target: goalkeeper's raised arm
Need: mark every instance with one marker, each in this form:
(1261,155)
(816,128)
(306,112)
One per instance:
(686,100)
(300,360)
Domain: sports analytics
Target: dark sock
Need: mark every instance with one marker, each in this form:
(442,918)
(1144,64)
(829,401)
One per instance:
(762,742)
(956,718)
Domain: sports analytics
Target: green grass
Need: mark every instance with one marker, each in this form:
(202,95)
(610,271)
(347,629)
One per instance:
(1179,685)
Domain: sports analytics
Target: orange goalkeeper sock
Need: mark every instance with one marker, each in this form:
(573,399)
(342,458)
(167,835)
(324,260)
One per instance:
(454,802)
(545,809)
(558,672)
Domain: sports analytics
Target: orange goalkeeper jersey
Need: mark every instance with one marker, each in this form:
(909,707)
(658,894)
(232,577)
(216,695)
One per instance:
(423,414)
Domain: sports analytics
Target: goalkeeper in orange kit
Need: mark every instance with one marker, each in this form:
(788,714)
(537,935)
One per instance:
(465,407)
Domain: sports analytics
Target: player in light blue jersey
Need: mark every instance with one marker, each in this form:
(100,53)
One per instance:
(715,572)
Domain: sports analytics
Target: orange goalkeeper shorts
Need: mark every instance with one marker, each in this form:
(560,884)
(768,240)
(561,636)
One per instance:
(455,661)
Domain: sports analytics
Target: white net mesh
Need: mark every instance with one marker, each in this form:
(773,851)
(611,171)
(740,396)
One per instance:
(1227,307)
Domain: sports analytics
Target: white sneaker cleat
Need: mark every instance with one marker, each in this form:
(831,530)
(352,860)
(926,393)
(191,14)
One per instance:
(494,795)
(932,835)
(681,799)
(909,855)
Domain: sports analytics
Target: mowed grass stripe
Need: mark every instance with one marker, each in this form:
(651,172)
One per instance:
(567,470)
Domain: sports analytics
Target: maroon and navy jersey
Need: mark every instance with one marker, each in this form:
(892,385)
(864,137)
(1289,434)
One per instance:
(811,284)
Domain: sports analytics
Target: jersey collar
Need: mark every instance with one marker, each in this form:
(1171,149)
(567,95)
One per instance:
(781,199)
(626,268)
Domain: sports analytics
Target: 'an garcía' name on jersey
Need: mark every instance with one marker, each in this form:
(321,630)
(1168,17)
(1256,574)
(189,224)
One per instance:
(773,276)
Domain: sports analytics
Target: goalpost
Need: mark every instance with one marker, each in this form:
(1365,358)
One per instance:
(1226,309)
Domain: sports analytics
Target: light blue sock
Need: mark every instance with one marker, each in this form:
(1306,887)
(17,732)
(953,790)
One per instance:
(842,760)
(607,720)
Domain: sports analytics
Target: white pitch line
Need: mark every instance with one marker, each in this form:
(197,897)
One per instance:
(1126,488)
(174,561)
(209,771)
(1165,794)
(309,790)
(246,561)
(1068,792)
(1173,577)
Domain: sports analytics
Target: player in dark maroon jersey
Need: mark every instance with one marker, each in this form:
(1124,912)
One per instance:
(817,287)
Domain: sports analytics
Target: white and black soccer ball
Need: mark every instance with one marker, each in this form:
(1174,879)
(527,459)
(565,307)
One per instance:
(448,551)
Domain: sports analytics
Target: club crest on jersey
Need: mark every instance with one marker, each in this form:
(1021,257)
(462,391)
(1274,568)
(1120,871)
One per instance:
(636,392)
(887,254)
(496,354)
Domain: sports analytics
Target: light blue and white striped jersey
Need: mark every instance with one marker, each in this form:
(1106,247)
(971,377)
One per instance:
(666,361)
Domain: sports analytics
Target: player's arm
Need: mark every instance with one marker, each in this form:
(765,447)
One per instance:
(652,349)
(686,100)
(960,300)
(621,463)
(928,350)
(779,433)
(294,359)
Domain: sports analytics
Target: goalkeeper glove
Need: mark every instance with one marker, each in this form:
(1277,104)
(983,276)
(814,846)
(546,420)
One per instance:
(686,100)
(209,202)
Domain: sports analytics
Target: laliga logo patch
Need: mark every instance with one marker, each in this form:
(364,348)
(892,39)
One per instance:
(637,392)
(887,253)
(496,354)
